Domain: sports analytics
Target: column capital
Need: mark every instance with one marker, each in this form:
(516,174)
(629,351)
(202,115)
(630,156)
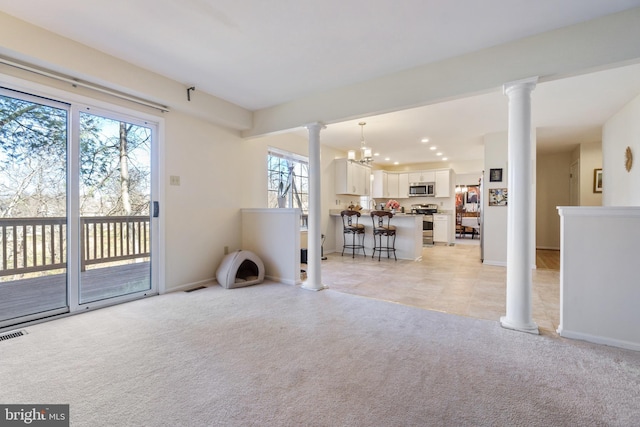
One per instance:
(527,84)
(315,125)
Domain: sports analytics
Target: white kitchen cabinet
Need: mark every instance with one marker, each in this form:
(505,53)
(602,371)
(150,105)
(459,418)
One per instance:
(415,176)
(422,176)
(362,179)
(443,183)
(395,185)
(385,185)
(392,185)
(352,178)
(442,229)
(403,185)
(379,188)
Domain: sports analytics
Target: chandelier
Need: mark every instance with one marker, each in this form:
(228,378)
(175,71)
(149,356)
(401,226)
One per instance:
(365,152)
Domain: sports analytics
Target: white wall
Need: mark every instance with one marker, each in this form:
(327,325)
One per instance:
(470,167)
(552,191)
(622,130)
(494,237)
(468,178)
(25,42)
(202,215)
(590,159)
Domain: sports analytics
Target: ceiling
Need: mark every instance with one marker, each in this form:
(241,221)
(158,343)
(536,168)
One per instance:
(258,54)
(565,113)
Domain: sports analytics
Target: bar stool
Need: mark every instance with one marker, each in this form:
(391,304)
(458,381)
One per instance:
(351,226)
(382,228)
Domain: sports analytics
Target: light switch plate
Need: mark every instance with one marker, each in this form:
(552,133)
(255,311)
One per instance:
(174,180)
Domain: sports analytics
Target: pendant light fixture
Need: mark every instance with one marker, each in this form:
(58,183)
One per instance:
(365,152)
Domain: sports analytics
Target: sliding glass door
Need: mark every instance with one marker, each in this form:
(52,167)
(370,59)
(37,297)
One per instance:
(33,207)
(115,195)
(76,228)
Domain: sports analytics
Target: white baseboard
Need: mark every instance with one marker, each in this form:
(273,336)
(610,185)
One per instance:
(612,342)
(281,280)
(496,263)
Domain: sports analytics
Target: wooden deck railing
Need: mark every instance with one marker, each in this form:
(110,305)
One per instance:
(39,244)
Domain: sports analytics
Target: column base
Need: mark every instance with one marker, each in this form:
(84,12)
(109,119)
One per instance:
(530,328)
(311,287)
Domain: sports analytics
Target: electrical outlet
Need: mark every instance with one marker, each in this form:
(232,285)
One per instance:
(226,250)
(174,180)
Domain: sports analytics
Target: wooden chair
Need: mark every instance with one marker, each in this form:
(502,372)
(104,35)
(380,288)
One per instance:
(459,227)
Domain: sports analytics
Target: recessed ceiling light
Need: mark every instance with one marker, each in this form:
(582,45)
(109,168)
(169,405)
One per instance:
(424,140)
(387,158)
(396,163)
(444,158)
(376,154)
(433,147)
(438,154)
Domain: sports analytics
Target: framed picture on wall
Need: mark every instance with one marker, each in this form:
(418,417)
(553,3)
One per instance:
(497,197)
(472,194)
(597,180)
(495,175)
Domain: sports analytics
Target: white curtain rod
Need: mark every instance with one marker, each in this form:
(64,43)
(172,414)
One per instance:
(76,82)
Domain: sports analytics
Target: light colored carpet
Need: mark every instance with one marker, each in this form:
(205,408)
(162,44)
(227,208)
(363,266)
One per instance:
(278,355)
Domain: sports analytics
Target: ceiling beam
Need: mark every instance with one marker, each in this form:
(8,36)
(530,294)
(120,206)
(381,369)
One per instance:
(589,46)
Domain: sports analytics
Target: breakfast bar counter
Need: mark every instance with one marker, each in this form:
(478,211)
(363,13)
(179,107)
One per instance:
(408,234)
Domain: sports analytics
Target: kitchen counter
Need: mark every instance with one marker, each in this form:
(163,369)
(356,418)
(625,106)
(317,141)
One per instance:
(408,234)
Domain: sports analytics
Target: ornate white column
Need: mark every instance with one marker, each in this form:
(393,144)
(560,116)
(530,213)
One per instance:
(314,276)
(520,209)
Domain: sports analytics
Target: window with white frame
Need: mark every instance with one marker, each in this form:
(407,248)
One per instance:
(288,180)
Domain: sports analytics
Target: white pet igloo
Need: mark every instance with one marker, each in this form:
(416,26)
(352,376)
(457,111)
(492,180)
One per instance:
(240,268)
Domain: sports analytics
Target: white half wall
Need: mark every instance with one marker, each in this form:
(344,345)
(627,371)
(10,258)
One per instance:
(274,236)
(599,290)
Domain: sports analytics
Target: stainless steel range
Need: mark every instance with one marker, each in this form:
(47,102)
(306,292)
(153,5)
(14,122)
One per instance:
(427,212)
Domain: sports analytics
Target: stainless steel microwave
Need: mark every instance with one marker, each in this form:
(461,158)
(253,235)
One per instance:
(424,189)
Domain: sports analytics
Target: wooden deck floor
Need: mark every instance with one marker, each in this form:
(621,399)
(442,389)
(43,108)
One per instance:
(41,294)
